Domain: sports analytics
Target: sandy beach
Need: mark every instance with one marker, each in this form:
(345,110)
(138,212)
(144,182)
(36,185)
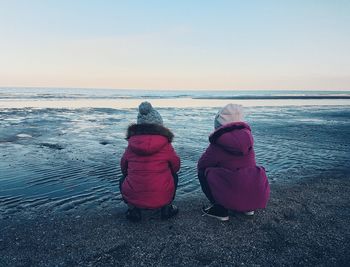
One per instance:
(305,224)
(60,204)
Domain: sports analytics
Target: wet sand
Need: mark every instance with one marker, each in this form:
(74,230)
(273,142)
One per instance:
(305,223)
(62,160)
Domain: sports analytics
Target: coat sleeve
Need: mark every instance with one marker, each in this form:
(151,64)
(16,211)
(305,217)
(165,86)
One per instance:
(124,164)
(208,159)
(174,160)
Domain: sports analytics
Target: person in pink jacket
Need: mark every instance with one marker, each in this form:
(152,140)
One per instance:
(227,171)
(149,166)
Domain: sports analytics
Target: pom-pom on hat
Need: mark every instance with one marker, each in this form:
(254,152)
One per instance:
(147,114)
(229,113)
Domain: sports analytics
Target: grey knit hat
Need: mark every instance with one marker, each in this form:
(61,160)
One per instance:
(147,114)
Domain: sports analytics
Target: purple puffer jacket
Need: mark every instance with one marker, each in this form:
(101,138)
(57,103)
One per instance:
(230,168)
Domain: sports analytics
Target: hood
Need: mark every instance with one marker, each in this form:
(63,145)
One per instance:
(147,139)
(235,138)
(147,144)
(149,129)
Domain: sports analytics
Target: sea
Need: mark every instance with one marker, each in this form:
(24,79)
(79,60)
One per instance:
(60,148)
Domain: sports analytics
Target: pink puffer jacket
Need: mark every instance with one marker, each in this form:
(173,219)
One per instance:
(235,181)
(149,163)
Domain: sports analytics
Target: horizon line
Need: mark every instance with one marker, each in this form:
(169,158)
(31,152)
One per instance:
(167,89)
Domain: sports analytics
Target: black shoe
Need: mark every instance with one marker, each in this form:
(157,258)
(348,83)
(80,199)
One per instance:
(216,211)
(168,211)
(133,215)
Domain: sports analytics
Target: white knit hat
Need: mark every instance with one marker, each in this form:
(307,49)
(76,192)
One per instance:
(147,114)
(229,113)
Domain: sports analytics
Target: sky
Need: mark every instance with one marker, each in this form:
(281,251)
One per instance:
(182,44)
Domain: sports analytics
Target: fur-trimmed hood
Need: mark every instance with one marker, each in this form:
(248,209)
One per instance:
(149,129)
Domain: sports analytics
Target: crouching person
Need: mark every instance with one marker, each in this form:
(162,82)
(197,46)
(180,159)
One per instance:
(149,166)
(227,171)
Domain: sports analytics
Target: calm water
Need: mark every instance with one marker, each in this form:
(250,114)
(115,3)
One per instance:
(67,159)
(118,99)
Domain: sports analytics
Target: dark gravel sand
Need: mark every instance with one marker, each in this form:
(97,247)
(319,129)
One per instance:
(305,224)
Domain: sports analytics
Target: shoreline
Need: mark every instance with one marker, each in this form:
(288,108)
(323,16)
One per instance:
(305,223)
(177,103)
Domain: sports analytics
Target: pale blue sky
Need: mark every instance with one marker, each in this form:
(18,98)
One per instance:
(176,44)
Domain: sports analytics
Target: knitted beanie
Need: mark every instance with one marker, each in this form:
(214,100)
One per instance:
(147,114)
(229,113)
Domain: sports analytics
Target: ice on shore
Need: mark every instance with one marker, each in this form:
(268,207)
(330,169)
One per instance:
(22,135)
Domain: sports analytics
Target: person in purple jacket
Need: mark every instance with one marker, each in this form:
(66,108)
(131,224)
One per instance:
(227,170)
